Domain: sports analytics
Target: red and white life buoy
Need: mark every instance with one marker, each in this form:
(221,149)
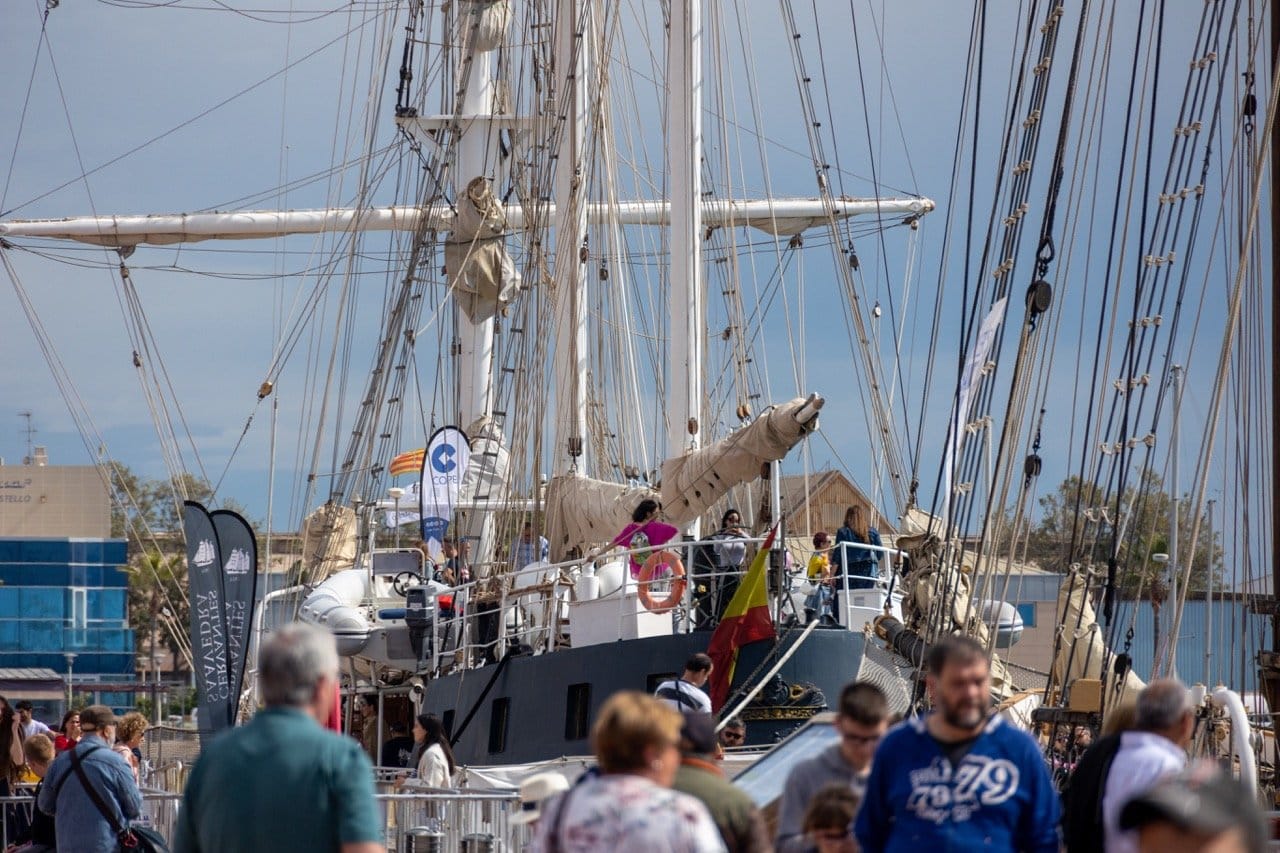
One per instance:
(649,569)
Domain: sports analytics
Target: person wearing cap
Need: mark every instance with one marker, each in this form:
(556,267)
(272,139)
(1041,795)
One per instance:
(735,815)
(284,782)
(80,826)
(534,793)
(1199,810)
(1158,748)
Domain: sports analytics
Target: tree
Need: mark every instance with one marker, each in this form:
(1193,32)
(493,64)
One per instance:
(142,510)
(158,583)
(1080,519)
(147,514)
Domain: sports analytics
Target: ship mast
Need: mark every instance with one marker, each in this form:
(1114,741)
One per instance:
(572,67)
(684,162)
(476,155)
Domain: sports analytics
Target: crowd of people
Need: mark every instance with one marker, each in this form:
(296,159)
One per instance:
(84,777)
(956,778)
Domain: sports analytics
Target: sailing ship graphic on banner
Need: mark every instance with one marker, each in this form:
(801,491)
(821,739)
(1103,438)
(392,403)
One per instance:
(222,599)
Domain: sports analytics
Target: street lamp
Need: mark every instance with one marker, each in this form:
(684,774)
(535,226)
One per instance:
(71,659)
(396,494)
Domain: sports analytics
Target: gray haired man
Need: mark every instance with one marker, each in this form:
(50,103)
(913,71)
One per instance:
(1158,748)
(283,782)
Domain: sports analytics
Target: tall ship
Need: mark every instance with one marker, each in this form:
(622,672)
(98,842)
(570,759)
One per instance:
(586,278)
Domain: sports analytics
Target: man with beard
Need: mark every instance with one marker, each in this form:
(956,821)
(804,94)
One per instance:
(960,777)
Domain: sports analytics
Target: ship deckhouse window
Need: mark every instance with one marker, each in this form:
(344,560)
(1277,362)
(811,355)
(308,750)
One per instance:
(656,678)
(577,712)
(446,720)
(499,712)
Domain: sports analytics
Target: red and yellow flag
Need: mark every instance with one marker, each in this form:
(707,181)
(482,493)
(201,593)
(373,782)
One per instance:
(408,462)
(745,620)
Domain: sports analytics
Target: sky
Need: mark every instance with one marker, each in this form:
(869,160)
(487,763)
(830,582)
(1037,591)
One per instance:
(196,91)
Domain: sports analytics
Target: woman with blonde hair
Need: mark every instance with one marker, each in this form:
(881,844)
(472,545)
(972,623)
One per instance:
(629,806)
(129,733)
(858,566)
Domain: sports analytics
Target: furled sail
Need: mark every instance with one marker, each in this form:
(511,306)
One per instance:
(581,511)
(481,272)
(484,487)
(691,484)
(328,541)
(938,600)
(1082,651)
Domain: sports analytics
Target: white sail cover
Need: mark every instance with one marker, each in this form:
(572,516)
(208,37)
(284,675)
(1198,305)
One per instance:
(328,541)
(487,21)
(484,482)
(1082,652)
(582,511)
(481,273)
(691,484)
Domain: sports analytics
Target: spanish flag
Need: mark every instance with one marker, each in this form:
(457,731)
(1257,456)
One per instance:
(408,462)
(745,620)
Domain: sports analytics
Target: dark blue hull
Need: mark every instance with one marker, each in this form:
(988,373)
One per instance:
(539,707)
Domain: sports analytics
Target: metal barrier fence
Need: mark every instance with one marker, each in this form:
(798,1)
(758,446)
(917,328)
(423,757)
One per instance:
(159,811)
(444,821)
(452,822)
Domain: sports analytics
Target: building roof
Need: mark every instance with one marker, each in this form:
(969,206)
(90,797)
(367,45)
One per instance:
(795,495)
(28,673)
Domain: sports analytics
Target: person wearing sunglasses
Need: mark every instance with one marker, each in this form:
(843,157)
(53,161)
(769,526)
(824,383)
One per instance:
(861,722)
(734,733)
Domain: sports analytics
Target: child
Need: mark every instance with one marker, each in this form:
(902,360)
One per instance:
(829,816)
(818,602)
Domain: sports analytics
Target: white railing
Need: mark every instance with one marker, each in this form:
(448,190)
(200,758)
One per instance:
(534,601)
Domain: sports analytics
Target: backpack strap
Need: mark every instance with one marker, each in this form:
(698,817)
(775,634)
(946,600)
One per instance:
(675,694)
(553,836)
(93,792)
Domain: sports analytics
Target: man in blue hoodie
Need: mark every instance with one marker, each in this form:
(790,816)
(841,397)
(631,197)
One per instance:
(959,779)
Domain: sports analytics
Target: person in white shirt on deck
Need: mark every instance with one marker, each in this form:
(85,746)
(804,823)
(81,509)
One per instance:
(685,693)
(30,726)
(1157,749)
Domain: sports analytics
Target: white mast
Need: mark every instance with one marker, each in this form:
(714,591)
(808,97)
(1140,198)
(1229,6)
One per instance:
(572,67)
(1176,377)
(783,216)
(684,162)
(476,156)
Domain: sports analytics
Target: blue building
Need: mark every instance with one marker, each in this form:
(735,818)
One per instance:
(66,595)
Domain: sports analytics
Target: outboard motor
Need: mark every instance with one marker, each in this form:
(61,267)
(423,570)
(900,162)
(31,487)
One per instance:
(419,616)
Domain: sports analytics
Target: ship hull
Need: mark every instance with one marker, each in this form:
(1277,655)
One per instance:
(539,707)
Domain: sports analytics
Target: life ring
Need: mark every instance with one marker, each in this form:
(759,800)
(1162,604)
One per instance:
(647,571)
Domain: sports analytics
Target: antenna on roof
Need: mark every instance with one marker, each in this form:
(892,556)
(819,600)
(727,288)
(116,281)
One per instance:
(31,434)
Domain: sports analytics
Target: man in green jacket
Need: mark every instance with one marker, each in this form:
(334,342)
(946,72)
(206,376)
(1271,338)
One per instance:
(737,818)
(284,782)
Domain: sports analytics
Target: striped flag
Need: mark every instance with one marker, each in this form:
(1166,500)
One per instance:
(409,462)
(745,620)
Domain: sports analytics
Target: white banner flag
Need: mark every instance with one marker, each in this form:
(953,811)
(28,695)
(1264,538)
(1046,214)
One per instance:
(964,399)
(443,467)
